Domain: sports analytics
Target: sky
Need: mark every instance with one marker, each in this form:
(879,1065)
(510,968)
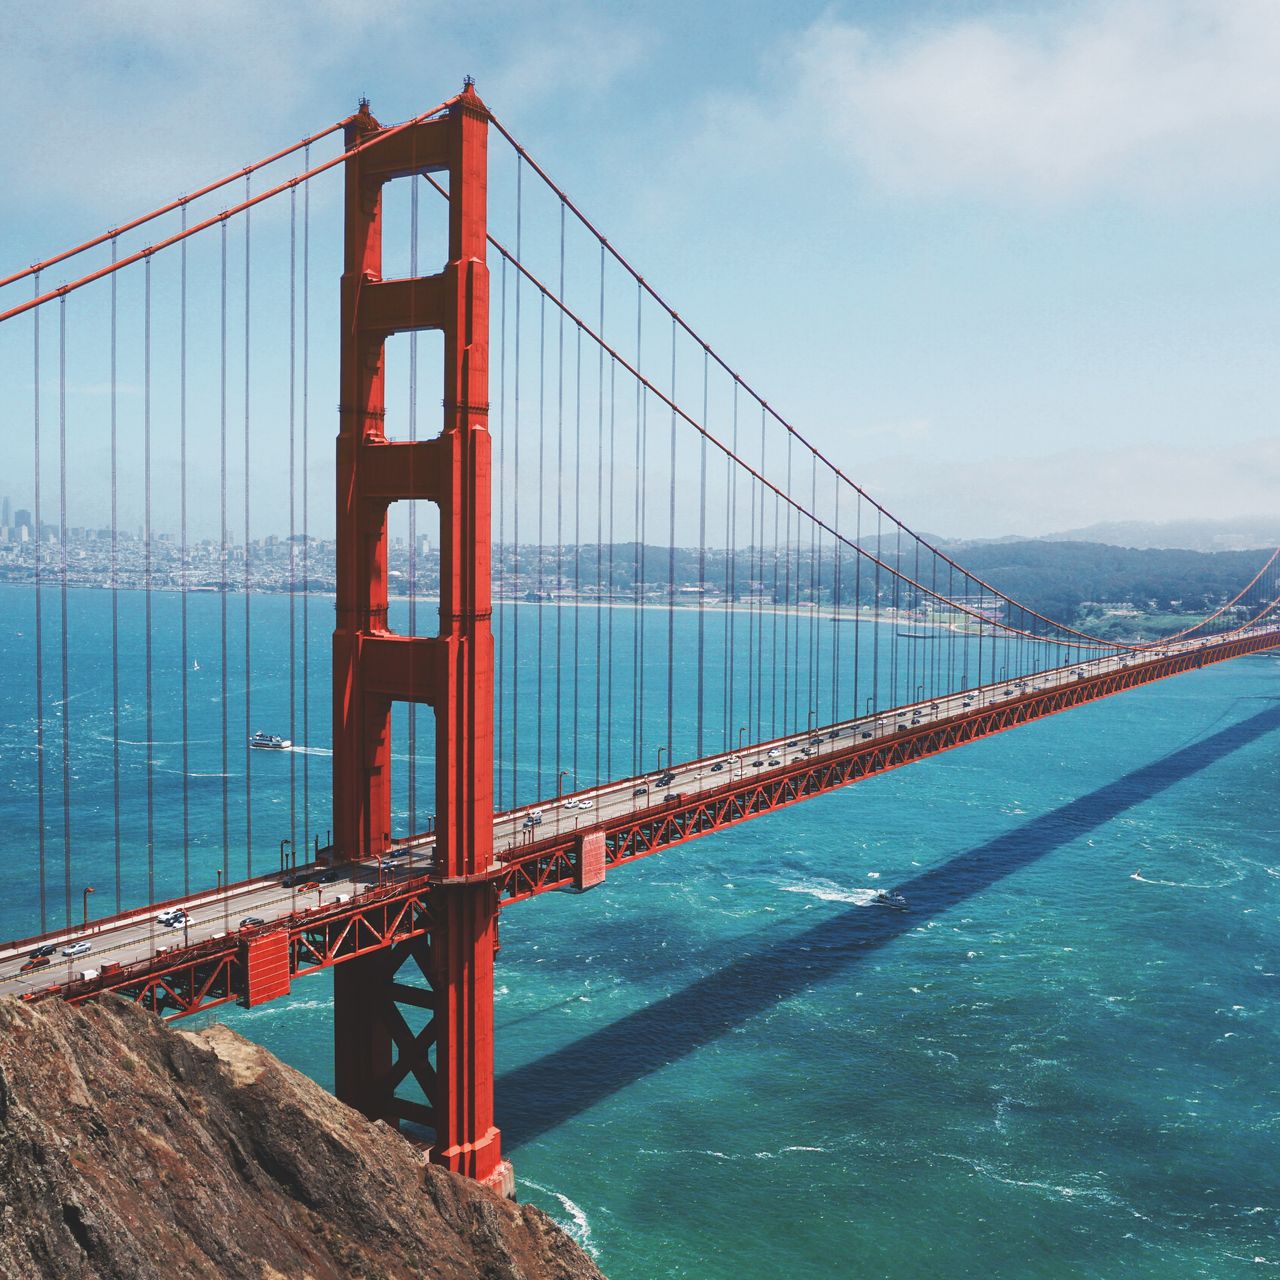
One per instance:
(1013,266)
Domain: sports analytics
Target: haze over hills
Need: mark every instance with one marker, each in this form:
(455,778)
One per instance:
(1241,534)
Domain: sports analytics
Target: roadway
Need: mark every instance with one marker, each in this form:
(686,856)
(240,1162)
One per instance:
(140,934)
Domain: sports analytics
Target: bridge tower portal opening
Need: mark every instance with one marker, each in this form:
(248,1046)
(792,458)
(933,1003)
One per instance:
(451,1055)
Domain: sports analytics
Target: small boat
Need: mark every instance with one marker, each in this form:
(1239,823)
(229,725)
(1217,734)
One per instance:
(195,665)
(894,901)
(269,742)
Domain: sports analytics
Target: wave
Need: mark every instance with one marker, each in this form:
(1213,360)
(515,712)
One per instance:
(577,1225)
(829,891)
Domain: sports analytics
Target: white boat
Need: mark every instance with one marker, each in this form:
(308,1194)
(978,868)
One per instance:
(269,742)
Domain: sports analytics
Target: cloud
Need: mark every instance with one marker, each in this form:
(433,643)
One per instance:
(1153,98)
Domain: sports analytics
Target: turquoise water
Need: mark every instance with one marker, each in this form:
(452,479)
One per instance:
(1059,1063)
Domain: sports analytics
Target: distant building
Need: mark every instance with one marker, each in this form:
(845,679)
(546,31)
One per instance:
(23,519)
(6,513)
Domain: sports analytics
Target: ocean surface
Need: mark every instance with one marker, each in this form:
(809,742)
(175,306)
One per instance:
(726,1063)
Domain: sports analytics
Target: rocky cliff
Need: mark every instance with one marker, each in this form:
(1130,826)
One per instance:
(131,1150)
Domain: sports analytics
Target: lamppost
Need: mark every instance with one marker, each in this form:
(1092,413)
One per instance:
(871,697)
(560,777)
(920,692)
(742,729)
(87,891)
(660,751)
(285,841)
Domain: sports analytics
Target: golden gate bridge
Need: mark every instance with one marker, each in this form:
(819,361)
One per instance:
(662,610)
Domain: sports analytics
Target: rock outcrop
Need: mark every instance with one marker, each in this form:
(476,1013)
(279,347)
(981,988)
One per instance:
(129,1150)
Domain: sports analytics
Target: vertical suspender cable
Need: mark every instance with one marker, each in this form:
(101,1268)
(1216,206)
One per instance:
(293,511)
(637,634)
(413,514)
(542,506)
(222,590)
(248,570)
(702,557)
(577,551)
(787,664)
(62,537)
(146,577)
(875,627)
(613,472)
(115,604)
(603,728)
(815,555)
(755,585)
(502,590)
(760,597)
(38,533)
(857,607)
(515,500)
(558,612)
(774,662)
(837,550)
(731,581)
(671,561)
(185,553)
(306,527)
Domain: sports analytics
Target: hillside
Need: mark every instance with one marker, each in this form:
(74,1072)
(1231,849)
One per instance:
(131,1151)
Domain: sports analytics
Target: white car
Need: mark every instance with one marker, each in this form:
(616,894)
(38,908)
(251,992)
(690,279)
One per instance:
(586,804)
(77,949)
(570,804)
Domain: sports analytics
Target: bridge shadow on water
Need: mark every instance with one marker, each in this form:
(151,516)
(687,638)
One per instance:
(539,1096)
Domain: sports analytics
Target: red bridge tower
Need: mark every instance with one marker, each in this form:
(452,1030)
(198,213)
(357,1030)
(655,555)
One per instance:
(451,1058)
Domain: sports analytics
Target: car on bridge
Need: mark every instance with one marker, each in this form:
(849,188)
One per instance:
(248,922)
(642,790)
(48,949)
(80,948)
(34,962)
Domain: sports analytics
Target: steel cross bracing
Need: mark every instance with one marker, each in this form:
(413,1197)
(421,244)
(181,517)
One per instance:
(391,915)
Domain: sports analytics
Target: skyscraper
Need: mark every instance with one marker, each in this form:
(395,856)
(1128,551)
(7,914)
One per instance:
(6,513)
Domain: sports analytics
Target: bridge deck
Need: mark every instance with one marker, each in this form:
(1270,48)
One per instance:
(333,914)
